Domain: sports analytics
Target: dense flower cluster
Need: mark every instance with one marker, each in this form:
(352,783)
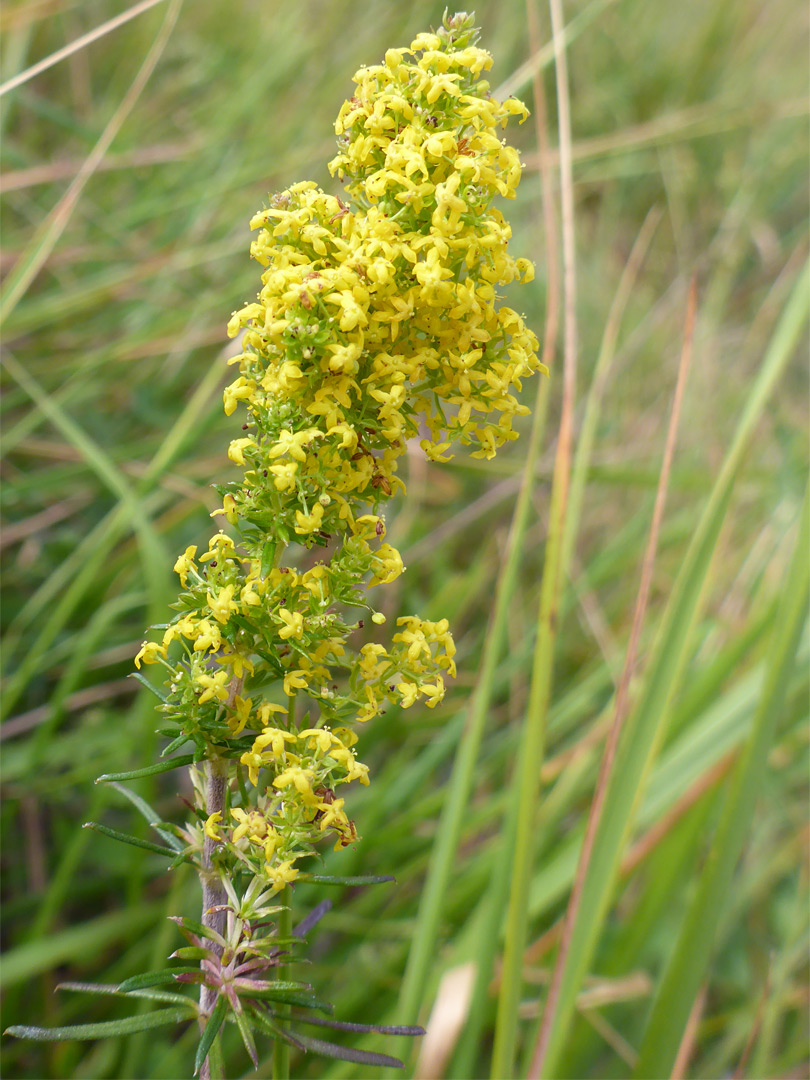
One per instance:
(377,323)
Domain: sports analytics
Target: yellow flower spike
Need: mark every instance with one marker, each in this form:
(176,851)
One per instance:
(270,845)
(371,664)
(316,581)
(284,475)
(252,824)
(293,444)
(210,826)
(378,324)
(238,391)
(371,708)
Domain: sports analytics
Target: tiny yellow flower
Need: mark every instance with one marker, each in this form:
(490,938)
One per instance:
(149,653)
(434,692)
(267,709)
(240,715)
(294,680)
(293,624)
(222,604)
(185,563)
(309,523)
(236,450)
(281,874)
(301,780)
(409,692)
(210,826)
(214,686)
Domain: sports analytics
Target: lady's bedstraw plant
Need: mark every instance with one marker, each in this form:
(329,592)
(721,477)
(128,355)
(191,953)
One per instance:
(377,324)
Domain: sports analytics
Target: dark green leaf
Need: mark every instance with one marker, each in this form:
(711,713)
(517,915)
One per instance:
(189,926)
(164,697)
(346,1053)
(193,952)
(175,744)
(116,991)
(105,1030)
(276,1030)
(150,770)
(243,1023)
(378,1029)
(125,838)
(211,1032)
(288,997)
(152,816)
(327,879)
(155,978)
(268,558)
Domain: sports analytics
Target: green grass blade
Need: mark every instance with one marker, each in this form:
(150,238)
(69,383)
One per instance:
(691,954)
(423,949)
(645,724)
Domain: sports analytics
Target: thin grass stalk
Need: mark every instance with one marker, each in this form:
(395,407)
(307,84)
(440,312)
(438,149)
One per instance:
(687,1047)
(622,693)
(532,745)
(604,364)
(464,1060)
(74,46)
(150,545)
(47,235)
(646,723)
(691,955)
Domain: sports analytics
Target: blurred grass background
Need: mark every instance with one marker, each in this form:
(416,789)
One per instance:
(116,298)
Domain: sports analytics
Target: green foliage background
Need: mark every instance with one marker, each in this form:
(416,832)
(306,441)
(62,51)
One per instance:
(113,430)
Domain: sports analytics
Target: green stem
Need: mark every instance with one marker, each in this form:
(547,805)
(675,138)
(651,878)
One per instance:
(281,1049)
(213,891)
